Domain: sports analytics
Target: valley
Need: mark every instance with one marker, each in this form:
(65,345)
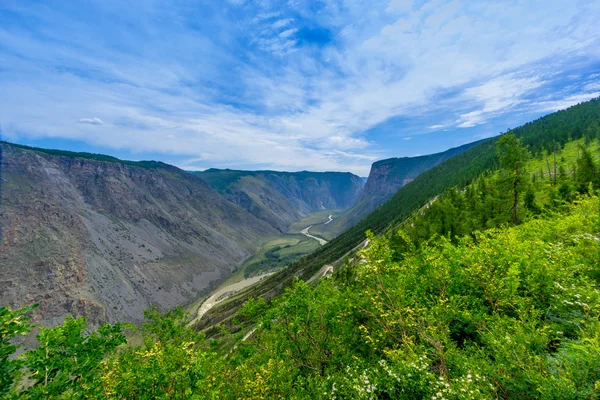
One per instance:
(96,236)
(274,255)
(455,259)
(282,250)
(328,200)
(149,233)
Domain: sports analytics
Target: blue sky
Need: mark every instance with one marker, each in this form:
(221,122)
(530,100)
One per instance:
(287,85)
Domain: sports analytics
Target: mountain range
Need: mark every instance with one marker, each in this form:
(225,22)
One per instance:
(89,234)
(281,198)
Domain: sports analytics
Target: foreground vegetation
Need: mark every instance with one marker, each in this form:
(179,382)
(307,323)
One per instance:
(508,313)
(491,291)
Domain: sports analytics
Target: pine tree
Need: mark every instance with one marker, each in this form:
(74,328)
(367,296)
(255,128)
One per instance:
(587,171)
(513,157)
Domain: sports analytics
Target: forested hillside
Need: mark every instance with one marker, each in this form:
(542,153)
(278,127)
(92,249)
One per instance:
(385,178)
(540,137)
(487,290)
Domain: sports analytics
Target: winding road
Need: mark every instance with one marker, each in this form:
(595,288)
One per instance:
(224,293)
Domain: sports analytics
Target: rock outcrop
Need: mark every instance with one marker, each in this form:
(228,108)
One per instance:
(385,178)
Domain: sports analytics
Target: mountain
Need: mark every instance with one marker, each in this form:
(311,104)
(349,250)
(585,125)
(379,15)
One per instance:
(541,136)
(464,299)
(93,235)
(281,198)
(385,178)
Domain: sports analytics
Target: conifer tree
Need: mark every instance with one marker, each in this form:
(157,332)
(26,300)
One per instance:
(513,156)
(587,171)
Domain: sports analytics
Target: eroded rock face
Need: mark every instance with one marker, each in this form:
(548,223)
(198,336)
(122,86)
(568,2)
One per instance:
(107,240)
(281,198)
(385,178)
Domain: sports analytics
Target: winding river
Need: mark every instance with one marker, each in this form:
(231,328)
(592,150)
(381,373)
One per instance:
(306,232)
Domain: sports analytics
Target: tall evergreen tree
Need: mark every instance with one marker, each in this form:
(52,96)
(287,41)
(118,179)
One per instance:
(513,156)
(586,171)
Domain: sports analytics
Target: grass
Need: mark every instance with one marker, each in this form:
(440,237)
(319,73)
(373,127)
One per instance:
(569,153)
(279,253)
(324,231)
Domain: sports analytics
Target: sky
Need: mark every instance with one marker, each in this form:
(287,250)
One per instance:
(287,85)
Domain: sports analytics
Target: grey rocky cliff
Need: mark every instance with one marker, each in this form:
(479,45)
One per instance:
(108,240)
(385,178)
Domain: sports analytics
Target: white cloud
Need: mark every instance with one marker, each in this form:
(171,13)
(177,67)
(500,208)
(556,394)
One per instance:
(592,86)
(399,5)
(91,121)
(567,102)
(280,104)
(497,96)
(287,33)
(281,23)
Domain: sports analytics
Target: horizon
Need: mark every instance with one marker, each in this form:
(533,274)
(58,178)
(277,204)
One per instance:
(225,168)
(288,86)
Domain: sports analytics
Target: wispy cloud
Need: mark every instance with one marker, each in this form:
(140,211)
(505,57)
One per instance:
(91,121)
(324,86)
(497,96)
(555,105)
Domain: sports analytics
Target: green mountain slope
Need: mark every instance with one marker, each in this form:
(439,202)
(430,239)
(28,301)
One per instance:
(385,178)
(545,134)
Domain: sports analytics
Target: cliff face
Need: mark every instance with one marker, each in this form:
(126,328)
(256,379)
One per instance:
(107,239)
(385,178)
(281,198)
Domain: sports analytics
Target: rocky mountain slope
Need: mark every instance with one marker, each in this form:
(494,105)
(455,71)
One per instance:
(385,178)
(91,235)
(281,198)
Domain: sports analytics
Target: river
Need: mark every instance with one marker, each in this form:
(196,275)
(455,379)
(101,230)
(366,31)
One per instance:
(306,232)
(227,291)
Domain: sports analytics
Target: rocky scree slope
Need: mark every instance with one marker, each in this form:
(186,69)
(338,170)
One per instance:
(109,239)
